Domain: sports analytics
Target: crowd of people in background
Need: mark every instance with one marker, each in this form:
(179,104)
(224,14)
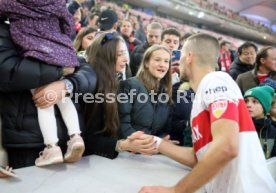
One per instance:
(114,53)
(228,13)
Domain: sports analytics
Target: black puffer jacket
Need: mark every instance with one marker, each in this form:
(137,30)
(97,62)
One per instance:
(137,56)
(237,67)
(129,45)
(152,118)
(18,76)
(267,134)
(181,129)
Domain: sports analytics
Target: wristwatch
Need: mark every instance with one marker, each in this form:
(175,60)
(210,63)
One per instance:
(69,86)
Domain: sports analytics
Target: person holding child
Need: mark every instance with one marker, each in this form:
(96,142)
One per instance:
(45,56)
(42,30)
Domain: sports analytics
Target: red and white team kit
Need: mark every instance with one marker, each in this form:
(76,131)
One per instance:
(219,97)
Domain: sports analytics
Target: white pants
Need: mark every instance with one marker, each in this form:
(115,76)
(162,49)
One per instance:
(47,120)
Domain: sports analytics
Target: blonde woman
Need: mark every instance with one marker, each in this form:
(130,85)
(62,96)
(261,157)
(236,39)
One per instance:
(84,39)
(148,109)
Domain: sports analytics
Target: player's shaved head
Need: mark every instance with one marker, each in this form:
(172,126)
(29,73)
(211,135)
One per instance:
(205,49)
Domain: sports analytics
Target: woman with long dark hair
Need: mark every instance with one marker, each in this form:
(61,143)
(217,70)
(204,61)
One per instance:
(108,56)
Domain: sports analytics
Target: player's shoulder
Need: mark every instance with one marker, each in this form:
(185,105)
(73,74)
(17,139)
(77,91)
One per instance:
(219,85)
(217,81)
(217,76)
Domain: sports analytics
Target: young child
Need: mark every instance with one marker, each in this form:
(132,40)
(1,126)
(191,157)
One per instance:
(258,101)
(42,30)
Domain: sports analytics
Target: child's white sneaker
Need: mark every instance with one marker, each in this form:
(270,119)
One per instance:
(75,149)
(50,155)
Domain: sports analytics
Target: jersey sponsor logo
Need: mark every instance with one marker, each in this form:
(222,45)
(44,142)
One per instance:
(201,130)
(216,90)
(219,107)
(196,135)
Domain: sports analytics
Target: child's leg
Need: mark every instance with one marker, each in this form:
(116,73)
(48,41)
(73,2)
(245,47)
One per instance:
(47,121)
(52,153)
(69,115)
(48,125)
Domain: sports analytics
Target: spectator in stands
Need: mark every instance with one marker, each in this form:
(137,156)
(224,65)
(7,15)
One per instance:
(245,60)
(265,68)
(154,31)
(225,140)
(182,96)
(170,38)
(108,21)
(128,35)
(226,57)
(149,109)
(259,101)
(108,56)
(140,32)
(22,136)
(77,21)
(75,9)
(83,40)
(75,5)
(85,12)
(93,20)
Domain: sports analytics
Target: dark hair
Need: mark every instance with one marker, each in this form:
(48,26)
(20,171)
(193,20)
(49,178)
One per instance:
(186,36)
(263,53)
(170,31)
(247,45)
(223,43)
(102,55)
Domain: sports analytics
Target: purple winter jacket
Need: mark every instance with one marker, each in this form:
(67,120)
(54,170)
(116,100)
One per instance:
(42,30)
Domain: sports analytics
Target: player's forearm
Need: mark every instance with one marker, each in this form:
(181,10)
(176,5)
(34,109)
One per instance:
(184,155)
(207,168)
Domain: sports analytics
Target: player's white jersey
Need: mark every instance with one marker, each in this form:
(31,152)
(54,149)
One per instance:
(217,97)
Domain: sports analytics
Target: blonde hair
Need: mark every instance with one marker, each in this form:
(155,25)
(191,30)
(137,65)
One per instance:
(150,82)
(78,40)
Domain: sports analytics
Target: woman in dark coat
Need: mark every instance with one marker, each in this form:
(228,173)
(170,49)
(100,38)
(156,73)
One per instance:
(22,137)
(147,107)
(108,56)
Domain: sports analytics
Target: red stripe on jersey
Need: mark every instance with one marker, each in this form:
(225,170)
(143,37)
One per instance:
(201,124)
(201,132)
